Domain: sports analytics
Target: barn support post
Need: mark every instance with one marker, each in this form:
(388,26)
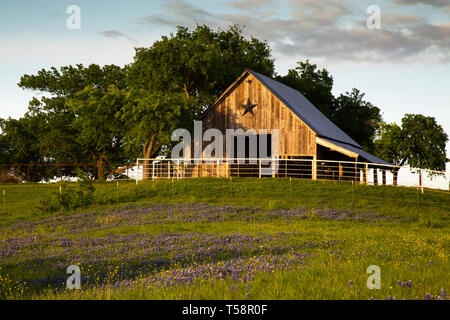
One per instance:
(314,168)
(384,177)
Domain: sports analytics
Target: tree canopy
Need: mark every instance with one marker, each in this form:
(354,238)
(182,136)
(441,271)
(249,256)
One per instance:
(358,118)
(201,63)
(419,142)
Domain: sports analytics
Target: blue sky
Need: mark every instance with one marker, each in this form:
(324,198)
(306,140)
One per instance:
(402,68)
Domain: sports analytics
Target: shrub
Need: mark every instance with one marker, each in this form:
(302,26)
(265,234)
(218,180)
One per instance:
(8,177)
(82,196)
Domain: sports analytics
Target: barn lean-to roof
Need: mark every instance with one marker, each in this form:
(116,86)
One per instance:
(308,113)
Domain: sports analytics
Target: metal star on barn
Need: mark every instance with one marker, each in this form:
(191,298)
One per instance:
(248,107)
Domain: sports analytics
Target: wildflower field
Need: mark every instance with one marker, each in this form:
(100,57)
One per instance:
(214,238)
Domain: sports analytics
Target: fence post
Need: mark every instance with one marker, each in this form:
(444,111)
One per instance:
(290,188)
(137,171)
(272,166)
(418,201)
(314,168)
(366,174)
(259,167)
(153,170)
(117,192)
(421,179)
(4,199)
(217,170)
(173,190)
(178,169)
(168,169)
(353,192)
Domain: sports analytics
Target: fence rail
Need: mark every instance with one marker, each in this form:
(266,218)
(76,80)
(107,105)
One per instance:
(52,172)
(151,169)
(346,171)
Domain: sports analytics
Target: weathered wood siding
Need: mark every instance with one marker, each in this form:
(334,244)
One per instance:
(296,138)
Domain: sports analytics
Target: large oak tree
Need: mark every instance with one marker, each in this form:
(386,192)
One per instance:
(200,63)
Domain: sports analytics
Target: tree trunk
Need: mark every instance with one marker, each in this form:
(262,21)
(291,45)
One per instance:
(101,174)
(148,147)
(186,91)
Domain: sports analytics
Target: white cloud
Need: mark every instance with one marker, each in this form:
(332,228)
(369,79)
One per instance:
(331,29)
(68,50)
(433,3)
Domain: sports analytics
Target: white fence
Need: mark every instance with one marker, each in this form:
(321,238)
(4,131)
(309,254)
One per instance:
(359,172)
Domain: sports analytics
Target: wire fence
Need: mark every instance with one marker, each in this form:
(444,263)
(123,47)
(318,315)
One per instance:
(151,169)
(345,171)
(36,182)
(54,172)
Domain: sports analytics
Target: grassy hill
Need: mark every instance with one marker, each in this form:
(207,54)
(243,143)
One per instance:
(226,239)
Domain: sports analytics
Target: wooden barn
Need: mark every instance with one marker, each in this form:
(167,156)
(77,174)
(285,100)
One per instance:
(257,102)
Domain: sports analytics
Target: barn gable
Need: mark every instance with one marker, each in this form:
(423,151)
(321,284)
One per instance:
(296,138)
(302,126)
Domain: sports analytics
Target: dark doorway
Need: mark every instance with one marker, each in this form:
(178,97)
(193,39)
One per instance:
(255,146)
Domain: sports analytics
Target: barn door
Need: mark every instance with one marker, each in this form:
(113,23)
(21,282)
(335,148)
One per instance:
(255,146)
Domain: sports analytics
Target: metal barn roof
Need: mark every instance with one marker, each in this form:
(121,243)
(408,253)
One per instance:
(305,110)
(315,119)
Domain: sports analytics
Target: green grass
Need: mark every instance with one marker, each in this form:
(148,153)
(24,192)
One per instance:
(22,201)
(412,244)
